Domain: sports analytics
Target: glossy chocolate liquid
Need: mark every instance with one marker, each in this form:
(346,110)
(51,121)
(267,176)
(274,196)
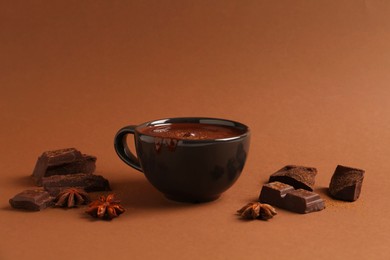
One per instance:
(191,131)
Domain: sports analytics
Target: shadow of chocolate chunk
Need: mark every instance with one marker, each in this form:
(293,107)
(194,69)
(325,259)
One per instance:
(61,162)
(303,201)
(346,183)
(33,200)
(88,182)
(300,177)
(273,193)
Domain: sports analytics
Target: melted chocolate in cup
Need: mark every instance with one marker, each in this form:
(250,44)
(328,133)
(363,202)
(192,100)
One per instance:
(169,134)
(191,131)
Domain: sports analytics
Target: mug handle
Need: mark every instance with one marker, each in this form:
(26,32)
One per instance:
(123,150)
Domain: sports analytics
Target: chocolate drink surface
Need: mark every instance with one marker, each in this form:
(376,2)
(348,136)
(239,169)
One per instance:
(191,131)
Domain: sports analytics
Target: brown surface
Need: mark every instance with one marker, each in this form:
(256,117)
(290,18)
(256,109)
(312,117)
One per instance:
(311,79)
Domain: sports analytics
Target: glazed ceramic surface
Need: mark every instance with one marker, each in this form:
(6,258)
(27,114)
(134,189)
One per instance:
(187,170)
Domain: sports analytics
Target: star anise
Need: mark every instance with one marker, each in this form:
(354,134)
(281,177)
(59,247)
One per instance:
(105,208)
(71,197)
(257,210)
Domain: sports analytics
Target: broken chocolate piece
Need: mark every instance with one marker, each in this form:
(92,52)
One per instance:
(273,193)
(33,200)
(88,182)
(299,177)
(63,161)
(303,201)
(286,197)
(346,183)
(85,164)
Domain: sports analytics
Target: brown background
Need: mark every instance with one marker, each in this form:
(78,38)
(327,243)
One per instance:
(310,78)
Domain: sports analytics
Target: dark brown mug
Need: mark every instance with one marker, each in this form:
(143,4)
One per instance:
(189,159)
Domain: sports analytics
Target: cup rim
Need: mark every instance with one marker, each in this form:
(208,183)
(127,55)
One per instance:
(201,120)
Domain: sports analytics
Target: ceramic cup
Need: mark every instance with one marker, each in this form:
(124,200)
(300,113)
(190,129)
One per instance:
(189,159)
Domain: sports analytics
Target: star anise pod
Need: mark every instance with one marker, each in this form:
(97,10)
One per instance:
(257,210)
(105,208)
(72,197)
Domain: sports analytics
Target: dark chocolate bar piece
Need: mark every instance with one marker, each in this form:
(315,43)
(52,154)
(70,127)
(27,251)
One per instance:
(303,201)
(63,161)
(85,164)
(33,200)
(273,193)
(286,197)
(88,182)
(300,177)
(346,183)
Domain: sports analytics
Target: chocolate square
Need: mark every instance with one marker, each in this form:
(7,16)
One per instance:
(273,193)
(303,201)
(33,200)
(346,183)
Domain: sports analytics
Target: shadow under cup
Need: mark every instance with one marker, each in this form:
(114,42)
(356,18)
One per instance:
(187,159)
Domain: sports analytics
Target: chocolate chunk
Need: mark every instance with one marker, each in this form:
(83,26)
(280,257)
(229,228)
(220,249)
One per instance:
(346,183)
(33,200)
(88,182)
(303,201)
(299,177)
(273,193)
(63,161)
(86,164)
(286,197)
